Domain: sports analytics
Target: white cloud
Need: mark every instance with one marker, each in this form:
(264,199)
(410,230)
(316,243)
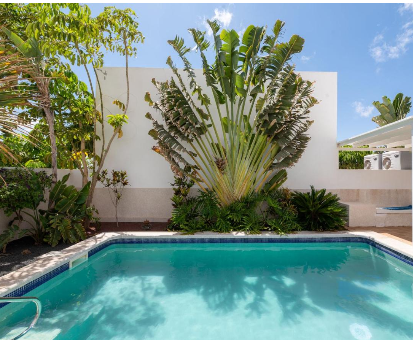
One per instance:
(223,16)
(305,58)
(406,8)
(382,50)
(363,111)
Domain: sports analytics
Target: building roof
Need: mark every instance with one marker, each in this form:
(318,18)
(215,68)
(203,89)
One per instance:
(391,135)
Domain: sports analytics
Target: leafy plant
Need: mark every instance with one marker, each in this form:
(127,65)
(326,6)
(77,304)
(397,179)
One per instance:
(352,159)
(242,139)
(34,62)
(21,194)
(115,184)
(181,186)
(69,33)
(65,220)
(281,215)
(12,232)
(204,213)
(319,211)
(392,111)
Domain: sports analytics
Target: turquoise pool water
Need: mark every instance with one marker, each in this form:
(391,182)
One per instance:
(319,291)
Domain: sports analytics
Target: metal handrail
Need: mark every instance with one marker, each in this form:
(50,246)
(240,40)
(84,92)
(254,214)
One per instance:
(35,300)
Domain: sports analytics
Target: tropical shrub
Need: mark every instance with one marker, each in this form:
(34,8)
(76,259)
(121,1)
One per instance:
(12,232)
(281,215)
(319,211)
(392,111)
(21,192)
(64,221)
(204,213)
(261,105)
(181,186)
(252,214)
(352,159)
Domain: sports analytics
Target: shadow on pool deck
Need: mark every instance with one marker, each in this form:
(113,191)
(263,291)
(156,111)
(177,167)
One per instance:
(403,234)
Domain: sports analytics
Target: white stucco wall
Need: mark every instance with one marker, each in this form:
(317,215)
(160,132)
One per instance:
(318,166)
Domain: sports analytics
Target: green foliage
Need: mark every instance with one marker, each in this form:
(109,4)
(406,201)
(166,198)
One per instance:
(69,33)
(117,121)
(34,164)
(319,211)
(352,159)
(281,214)
(115,184)
(262,104)
(65,220)
(392,111)
(252,214)
(181,186)
(20,194)
(204,213)
(12,232)
(22,189)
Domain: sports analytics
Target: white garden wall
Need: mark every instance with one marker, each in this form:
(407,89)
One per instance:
(150,176)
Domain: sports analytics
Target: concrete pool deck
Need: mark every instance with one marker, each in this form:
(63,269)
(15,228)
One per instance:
(404,234)
(54,260)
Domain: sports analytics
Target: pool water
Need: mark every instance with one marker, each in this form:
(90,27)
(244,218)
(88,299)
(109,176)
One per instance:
(224,291)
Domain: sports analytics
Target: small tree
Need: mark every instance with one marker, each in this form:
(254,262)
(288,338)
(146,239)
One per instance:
(115,184)
(392,111)
(35,61)
(69,32)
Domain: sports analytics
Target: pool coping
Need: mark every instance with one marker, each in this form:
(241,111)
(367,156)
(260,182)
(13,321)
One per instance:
(51,264)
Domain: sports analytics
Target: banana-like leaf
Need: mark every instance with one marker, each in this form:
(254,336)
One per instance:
(83,194)
(58,188)
(276,181)
(250,145)
(392,111)
(29,48)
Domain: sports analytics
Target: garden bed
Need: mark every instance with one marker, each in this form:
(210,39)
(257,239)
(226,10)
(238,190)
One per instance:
(22,252)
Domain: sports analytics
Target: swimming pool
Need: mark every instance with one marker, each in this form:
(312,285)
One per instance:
(317,290)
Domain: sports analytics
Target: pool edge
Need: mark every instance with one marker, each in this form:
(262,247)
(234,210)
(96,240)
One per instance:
(52,264)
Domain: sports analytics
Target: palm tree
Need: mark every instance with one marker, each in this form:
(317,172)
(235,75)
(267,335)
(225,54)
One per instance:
(262,104)
(392,111)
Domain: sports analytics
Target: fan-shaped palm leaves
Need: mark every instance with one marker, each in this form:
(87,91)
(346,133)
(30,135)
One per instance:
(254,127)
(392,111)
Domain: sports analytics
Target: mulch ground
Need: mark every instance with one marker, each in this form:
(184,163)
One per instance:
(22,252)
(127,226)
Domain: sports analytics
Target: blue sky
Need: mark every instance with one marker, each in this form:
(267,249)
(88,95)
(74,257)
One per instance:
(370,46)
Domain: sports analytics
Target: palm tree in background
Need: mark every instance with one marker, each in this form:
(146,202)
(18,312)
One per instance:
(392,111)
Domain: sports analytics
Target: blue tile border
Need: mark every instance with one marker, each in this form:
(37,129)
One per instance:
(36,282)
(163,240)
(171,240)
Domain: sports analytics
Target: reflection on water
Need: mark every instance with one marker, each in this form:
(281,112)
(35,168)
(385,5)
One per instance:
(233,291)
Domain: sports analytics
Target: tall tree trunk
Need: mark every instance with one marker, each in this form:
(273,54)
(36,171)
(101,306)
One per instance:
(85,172)
(53,146)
